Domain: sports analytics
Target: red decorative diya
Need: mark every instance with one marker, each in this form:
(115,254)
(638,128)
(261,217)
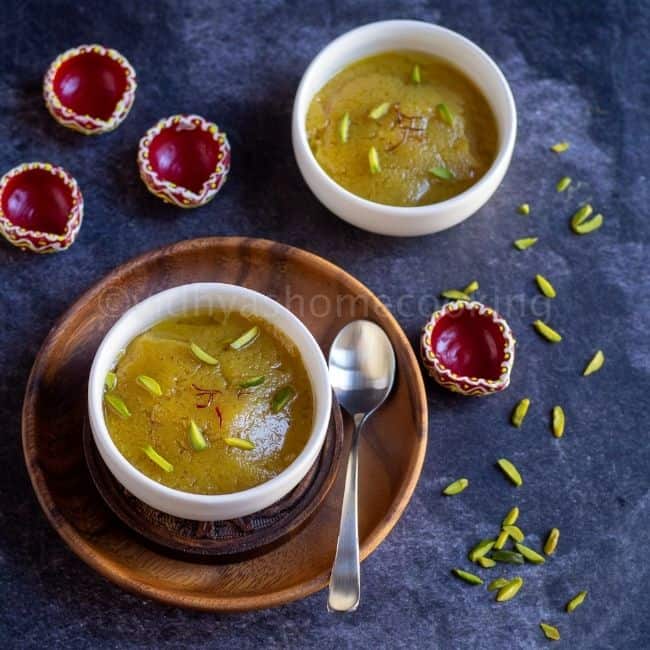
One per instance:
(89,89)
(468,348)
(41,207)
(185,160)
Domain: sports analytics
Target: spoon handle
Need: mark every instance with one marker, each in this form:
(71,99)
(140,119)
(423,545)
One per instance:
(345,586)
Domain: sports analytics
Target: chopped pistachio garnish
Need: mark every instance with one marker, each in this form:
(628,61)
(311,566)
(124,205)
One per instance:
(253,381)
(576,601)
(240,443)
(581,215)
(379,111)
(246,338)
(519,413)
(445,114)
(532,556)
(510,471)
(470,578)
(501,540)
(595,364)
(442,173)
(557,421)
(589,226)
(456,487)
(559,147)
(454,294)
(511,517)
(481,549)
(471,287)
(149,384)
(110,381)
(416,75)
(545,286)
(514,532)
(563,184)
(510,590)
(551,541)
(197,439)
(550,631)
(373,161)
(202,355)
(524,208)
(118,405)
(344,128)
(509,557)
(497,584)
(547,332)
(155,457)
(282,398)
(526,242)
(486,562)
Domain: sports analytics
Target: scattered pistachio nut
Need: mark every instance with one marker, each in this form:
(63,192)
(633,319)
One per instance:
(581,215)
(563,184)
(344,128)
(550,545)
(589,226)
(529,554)
(202,355)
(501,540)
(497,583)
(110,381)
(240,443)
(149,384)
(595,364)
(467,577)
(545,286)
(471,287)
(509,591)
(547,332)
(524,208)
(511,517)
(576,601)
(519,412)
(443,173)
(486,562)
(510,471)
(445,114)
(550,631)
(118,405)
(456,487)
(416,74)
(481,549)
(557,423)
(525,242)
(197,439)
(373,161)
(246,338)
(156,458)
(559,147)
(454,294)
(514,532)
(509,557)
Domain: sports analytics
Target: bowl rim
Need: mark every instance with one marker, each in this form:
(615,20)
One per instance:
(506,139)
(168,190)
(22,237)
(298,467)
(451,309)
(89,124)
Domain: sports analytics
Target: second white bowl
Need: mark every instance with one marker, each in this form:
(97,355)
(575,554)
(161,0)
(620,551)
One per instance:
(416,36)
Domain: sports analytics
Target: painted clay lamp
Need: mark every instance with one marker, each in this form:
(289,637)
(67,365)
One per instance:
(184,160)
(468,348)
(41,207)
(89,89)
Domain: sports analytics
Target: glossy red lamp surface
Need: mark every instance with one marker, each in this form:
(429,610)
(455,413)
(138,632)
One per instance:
(184,160)
(90,89)
(41,207)
(468,348)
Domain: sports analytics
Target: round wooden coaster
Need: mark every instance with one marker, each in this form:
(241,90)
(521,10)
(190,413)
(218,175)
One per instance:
(233,540)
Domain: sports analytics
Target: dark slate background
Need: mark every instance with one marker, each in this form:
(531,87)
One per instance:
(579,71)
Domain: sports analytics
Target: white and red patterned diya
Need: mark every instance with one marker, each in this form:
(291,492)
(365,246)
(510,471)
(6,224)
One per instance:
(41,207)
(184,160)
(468,348)
(90,89)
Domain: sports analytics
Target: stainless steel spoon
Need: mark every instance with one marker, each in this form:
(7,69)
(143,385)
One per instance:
(362,370)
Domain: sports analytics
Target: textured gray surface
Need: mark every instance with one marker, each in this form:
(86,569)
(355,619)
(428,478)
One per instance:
(579,71)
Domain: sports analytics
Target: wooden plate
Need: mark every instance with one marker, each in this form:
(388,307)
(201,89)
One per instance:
(325,298)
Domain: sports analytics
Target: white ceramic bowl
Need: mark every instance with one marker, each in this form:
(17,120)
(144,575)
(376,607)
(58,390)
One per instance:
(415,36)
(205,296)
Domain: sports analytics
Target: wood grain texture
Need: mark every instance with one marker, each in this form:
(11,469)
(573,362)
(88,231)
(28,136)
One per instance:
(325,298)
